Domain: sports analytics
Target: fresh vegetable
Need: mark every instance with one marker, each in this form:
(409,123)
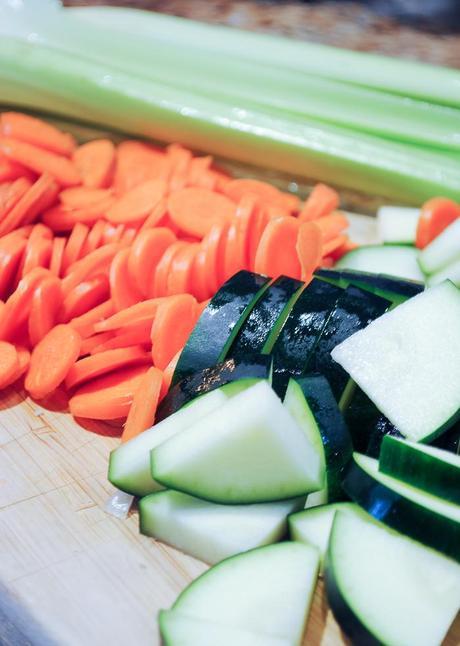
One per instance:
(311,403)
(424,467)
(217,595)
(385,588)
(397,224)
(436,214)
(443,250)
(394,260)
(451,272)
(249,450)
(212,532)
(145,400)
(421,515)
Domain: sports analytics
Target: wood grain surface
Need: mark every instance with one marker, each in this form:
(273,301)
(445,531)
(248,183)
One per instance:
(72,574)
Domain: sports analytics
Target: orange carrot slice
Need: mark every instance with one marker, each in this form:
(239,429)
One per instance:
(137,203)
(94,263)
(95,163)
(143,312)
(160,282)
(37,132)
(80,197)
(37,198)
(89,344)
(197,168)
(141,415)
(11,253)
(51,360)
(215,247)
(109,396)
(346,246)
(123,292)
(435,216)
(104,362)
(332,245)
(96,238)
(123,340)
(180,275)
(238,188)
(321,201)
(332,225)
(200,287)
(17,307)
(137,162)
(11,193)
(41,161)
(276,254)
(84,324)
(57,255)
(9,363)
(46,301)
(74,245)
(83,297)
(145,254)
(309,248)
(194,210)
(11,170)
(171,328)
(168,373)
(23,364)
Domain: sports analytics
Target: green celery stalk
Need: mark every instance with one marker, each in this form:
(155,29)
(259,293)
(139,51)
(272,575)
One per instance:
(401,77)
(80,88)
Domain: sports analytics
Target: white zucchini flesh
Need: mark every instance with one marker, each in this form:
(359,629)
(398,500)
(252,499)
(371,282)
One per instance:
(313,526)
(180,630)
(444,249)
(451,272)
(129,467)
(401,592)
(249,450)
(212,532)
(267,590)
(397,224)
(393,260)
(408,362)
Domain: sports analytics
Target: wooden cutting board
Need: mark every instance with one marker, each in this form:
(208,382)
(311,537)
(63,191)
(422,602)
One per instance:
(71,574)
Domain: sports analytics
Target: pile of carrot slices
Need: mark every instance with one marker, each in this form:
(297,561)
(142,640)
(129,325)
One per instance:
(108,255)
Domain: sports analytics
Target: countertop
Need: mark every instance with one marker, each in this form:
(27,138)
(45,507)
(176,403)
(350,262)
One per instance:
(342,24)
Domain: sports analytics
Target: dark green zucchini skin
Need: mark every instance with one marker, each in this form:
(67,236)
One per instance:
(301,331)
(264,318)
(354,310)
(420,469)
(346,618)
(337,443)
(219,323)
(396,511)
(210,379)
(449,440)
(380,284)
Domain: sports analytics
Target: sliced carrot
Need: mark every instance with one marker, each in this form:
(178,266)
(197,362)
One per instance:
(96,237)
(160,282)
(84,324)
(276,254)
(84,297)
(198,166)
(38,198)
(215,263)
(179,280)
(194,210)
(268,194)
(46,301)
(168,373)
(180,159)
(146,252)
(11,253)
(94,263)
(89,344)
(35,131)
(175,319)
(9,363)
(104,362)
(124,340)
(346,246)
(158,213)
(136,162)
(141,415)
(74,245)
(95,163)
(40,231)
(17,307)
(80,197)
(143,312)
(11,193)
(332,245)
(321,201)
(309,248)
(61,218)
(109,396)
(136,204)
(41,161)
(37,254)
(57,255)
(200,287)
(23,364)
(51,360)
(237,247)
(11,170)
(435,216)
(332,225)
(259,221)
(327,262)
(123,291)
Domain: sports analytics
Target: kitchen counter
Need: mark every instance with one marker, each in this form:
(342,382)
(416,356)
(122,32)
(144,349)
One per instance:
(347,24)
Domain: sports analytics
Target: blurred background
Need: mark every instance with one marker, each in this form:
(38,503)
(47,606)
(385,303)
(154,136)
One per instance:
(427,30)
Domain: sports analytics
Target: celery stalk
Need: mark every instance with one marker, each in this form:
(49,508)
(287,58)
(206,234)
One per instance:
(80,88)
(401,77)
